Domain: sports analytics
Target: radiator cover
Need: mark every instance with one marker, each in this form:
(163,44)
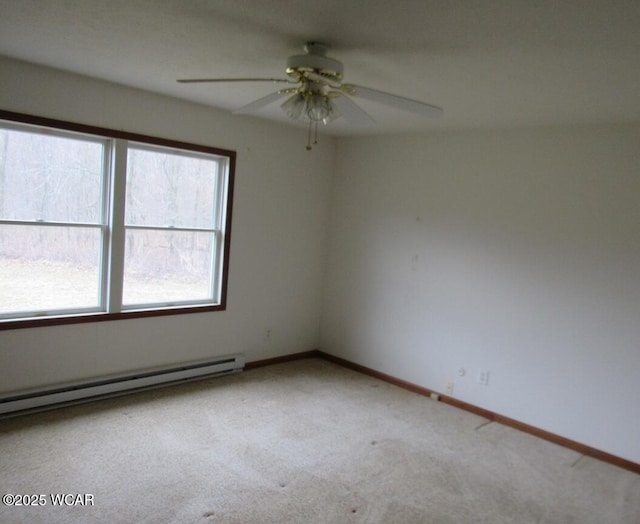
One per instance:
(50,398)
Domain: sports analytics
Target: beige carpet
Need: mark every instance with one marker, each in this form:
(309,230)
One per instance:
(303,442)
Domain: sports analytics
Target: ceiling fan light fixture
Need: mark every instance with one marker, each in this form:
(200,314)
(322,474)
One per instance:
(317,107)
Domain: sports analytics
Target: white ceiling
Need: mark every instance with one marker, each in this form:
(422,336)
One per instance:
(491,63)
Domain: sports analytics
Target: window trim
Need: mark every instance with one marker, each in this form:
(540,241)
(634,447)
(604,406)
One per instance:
(112,134)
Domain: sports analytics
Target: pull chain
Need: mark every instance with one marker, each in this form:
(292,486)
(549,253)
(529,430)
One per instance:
(309,136)
(315,134)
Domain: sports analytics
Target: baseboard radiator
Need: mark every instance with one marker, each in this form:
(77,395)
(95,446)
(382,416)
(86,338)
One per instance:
(39,400)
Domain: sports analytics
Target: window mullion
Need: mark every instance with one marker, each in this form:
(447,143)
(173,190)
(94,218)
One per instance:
(118,175)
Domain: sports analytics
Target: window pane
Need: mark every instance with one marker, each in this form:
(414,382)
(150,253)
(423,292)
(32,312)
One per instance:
(167,266)
(169,189)
(46,268)
(45,177)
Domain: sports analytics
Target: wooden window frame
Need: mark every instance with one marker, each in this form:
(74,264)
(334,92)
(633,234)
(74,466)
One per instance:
(116,135)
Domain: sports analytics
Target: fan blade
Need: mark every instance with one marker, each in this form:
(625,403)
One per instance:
(352,112)
(261,102)
(398,102)
(202,80)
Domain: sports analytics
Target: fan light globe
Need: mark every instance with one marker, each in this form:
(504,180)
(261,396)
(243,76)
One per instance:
(294,106)
(318,108)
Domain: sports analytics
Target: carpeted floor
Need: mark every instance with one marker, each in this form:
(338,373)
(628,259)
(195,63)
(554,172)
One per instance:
(305,442)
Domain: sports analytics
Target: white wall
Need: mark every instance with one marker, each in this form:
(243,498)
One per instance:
(515,251)
(278,240)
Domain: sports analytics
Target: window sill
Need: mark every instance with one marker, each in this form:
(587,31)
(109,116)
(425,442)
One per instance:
(34,322)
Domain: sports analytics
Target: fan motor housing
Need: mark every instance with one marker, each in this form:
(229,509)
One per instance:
(315,61)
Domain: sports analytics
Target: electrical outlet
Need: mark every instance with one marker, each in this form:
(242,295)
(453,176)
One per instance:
(449,388)
(483,377)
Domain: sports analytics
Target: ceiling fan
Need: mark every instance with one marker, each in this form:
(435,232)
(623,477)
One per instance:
(317,94)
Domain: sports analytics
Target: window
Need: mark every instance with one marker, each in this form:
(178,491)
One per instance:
(98,224)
